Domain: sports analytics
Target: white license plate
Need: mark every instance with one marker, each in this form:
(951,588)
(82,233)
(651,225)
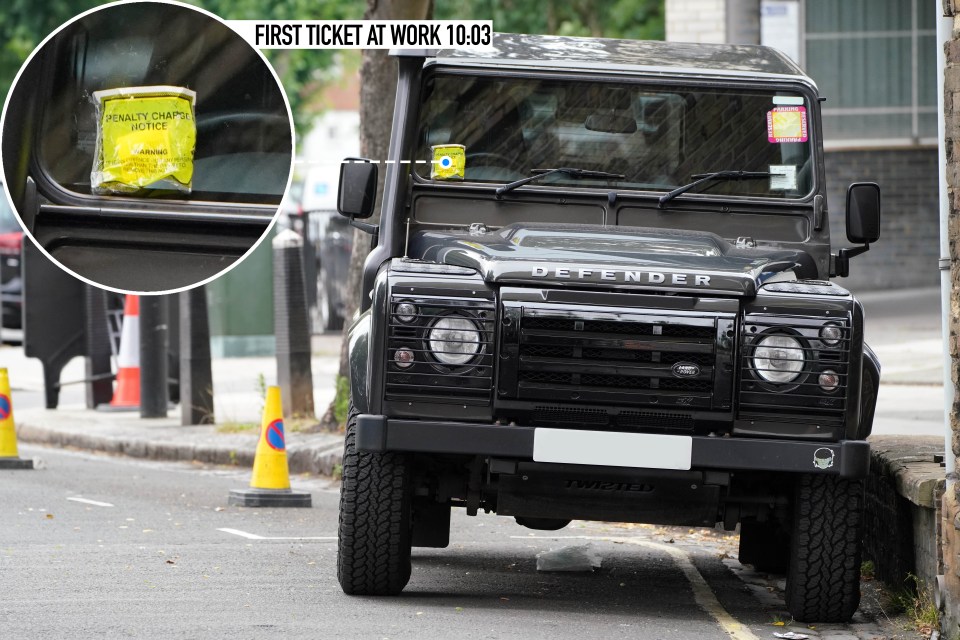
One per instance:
(640,450)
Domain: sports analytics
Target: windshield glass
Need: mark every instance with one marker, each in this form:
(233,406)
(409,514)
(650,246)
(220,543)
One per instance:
(658,136)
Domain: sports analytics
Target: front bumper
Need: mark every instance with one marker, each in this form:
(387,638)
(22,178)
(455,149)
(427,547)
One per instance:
(846,458)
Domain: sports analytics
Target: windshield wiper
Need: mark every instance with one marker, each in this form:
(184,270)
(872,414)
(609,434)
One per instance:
(573,173)
(707,177)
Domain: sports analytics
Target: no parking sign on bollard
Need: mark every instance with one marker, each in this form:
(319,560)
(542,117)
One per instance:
(270,481)
(9,457)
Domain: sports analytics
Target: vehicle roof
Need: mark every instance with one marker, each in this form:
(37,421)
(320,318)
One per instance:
(640,56)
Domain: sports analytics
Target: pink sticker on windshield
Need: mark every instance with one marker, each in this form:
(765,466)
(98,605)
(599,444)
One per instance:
(787,124)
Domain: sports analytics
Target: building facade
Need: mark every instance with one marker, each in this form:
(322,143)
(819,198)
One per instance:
(875,63)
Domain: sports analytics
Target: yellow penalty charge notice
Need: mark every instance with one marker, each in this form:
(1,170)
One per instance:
(146,137)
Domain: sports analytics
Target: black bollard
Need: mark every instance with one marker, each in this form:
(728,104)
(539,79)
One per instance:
(291,325)
(196,373)
(99,378)
(153,357)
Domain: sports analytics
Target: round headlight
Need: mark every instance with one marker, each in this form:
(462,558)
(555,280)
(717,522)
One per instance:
(454,340)
(830,334)
(778,359)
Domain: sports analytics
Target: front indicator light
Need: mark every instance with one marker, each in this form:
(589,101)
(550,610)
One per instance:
(830,334)
(778,359)
(829,380)
(403,358)
(406,312)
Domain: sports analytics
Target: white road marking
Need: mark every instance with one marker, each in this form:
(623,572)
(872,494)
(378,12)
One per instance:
(702,592)
(253,536)
(95,503)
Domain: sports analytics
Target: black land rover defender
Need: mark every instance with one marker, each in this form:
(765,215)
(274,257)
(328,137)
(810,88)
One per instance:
(600,290)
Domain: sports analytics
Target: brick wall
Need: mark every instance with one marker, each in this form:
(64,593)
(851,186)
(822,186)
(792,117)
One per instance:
(908,250)
(950,588)
(696,21)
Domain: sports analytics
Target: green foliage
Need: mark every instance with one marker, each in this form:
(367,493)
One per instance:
(236,427)
(633,19)
(304,73)
(914,601)
(23,25)
(341,401)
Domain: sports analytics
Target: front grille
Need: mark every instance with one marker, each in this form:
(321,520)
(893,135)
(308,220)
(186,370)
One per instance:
(428,378)
(587,418)
(802,396)
(595,357)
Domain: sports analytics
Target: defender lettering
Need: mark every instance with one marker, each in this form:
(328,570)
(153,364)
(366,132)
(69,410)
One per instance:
(610,275)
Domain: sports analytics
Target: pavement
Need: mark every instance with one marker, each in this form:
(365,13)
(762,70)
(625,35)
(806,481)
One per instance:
(903,327)
(232,440)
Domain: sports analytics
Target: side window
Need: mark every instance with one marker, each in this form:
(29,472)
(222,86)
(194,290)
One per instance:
(243,146)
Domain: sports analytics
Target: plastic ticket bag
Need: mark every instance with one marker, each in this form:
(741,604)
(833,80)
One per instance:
(146,138)
(449,162)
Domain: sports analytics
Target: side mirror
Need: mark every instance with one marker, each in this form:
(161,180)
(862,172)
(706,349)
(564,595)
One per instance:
(863,212)
(358,188)
(863,224)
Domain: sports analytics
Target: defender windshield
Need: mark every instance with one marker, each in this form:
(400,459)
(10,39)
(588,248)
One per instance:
(659,137)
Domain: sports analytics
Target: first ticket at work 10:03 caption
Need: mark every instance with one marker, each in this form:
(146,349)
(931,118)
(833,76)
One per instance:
(364,34)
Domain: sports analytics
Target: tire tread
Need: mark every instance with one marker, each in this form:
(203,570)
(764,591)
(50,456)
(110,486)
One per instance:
(373,546)
(823,583)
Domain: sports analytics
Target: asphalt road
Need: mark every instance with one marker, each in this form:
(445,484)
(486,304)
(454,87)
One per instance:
(101,547)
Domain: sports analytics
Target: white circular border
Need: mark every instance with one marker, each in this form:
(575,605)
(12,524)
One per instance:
(293,147)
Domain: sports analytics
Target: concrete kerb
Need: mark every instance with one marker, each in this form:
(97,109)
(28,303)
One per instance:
(909,460)
(322,458)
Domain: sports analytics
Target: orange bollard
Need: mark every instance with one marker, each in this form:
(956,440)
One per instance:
(126,395)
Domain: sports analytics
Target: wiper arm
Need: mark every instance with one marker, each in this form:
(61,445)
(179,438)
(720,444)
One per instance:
(707,177)
(573,173)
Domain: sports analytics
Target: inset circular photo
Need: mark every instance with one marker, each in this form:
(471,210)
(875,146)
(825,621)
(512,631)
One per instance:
(146,146)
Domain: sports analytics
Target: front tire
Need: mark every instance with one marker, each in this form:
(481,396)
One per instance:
(373,550)
(823,583)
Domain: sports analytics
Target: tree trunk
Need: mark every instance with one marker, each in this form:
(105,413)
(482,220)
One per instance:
(378,88)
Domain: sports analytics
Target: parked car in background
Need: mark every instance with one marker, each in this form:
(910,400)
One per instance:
(328,242)
(11,282)
(331,239)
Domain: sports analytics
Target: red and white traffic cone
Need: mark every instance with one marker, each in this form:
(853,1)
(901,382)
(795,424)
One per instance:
(126,395)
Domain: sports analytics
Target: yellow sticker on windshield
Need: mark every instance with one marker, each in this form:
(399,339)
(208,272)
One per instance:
(449,162)
(787,124)
(146,138)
